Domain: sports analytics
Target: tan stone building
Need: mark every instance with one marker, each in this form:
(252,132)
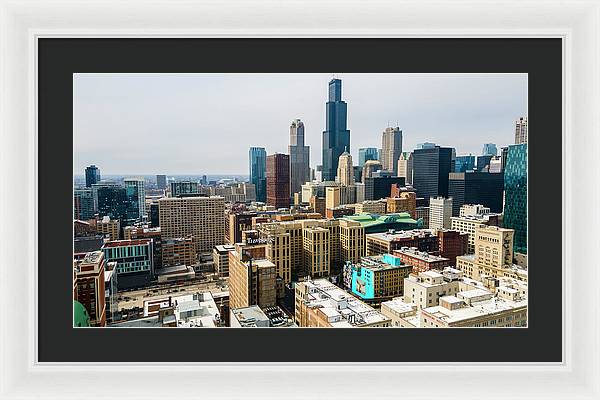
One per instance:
(405,202)
(371,207)
(251,277)
(316,251)
(110,227)
(203,218)
(178,251)
(221,259)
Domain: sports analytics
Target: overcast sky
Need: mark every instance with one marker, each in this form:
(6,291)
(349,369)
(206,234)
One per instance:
(204,123)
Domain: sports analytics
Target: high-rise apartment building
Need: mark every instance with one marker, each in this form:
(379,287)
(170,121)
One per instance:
(221,259)
(367,153)
(521,131)
(138,184)
(515,195)
(84,198)
(336,136)
(278,180)
(236,223)
(199,217)
(92,175)
(431,167)
(476,188)
(405,167)
(258,171)
(299,157)
(452,244)
(489,149)
(345,170)
(161,181)
(316,251)
(251,277)
(440,213)
(89,286)
(391,148)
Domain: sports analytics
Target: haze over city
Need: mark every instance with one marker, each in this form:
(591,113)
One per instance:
(205,123)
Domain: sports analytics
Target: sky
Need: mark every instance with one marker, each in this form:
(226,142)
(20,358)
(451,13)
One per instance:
(205,123)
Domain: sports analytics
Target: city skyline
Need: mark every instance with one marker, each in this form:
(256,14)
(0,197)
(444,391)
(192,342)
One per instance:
(135,109)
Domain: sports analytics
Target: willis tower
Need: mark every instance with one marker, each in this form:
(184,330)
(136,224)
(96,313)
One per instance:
(336,137)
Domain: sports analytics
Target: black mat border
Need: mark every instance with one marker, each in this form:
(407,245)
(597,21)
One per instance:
(60,58)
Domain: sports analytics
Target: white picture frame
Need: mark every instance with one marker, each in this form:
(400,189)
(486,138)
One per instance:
(578,23)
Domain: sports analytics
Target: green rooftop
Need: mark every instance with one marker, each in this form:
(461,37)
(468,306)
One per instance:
(381,223)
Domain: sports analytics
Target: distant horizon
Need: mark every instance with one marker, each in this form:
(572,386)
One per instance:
(183,122)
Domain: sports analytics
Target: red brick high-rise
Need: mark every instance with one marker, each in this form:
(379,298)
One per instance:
(452,244)
(278,180)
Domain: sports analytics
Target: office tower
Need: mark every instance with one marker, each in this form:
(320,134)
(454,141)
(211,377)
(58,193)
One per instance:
(336,137)
(489,149)
(469,223)
(369,168)
(345,170)
(521,131)
(182,188)
(405,167)
(367,153)
(235,224)
(161,181)
(495,165)
(199,217)
(515,195)
(138,184)
(117,202)
(251,277)
(299,157)
(431,167)
(504,155)
(278,180)
(178,251)
(426,145)
(135,261)
(380,187)
(85,200)
(464,163)
(440,213)
(204,180)
(221,259)
(89,286)
(391,148)
(483,163)
(258,172)
(92,175)
(316,251)
(476,188)
(154,215)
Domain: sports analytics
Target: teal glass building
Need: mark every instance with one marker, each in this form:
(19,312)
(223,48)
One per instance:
(367,153)
(258,171)
(515,195)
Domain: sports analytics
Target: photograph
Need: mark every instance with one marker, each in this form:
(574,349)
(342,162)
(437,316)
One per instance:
(300,200)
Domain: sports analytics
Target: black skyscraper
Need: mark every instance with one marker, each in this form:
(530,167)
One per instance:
(92,175)
(336,137)
(431,167)
(380,187)
(476,188)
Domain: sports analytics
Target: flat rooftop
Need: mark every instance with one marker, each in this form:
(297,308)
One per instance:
(399,235)
(420,255)
(476,310)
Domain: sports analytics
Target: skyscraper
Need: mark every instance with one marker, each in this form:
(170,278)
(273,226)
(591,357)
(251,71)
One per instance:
(464,163)
(92,175)
(521,130)
(440,213)
(299,157)
(161,181)
(117,202)
(345,171)
(391,148)
(336,137)
(483,163)
(138,183)
(426,145)
(515,195)
(367,153)
(85,198)
(431,167)
(278,180)
(369,168)
(405,167)
(489,149)
(476,188)
(258,171)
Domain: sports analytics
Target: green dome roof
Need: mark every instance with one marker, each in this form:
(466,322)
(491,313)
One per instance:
(80,315)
